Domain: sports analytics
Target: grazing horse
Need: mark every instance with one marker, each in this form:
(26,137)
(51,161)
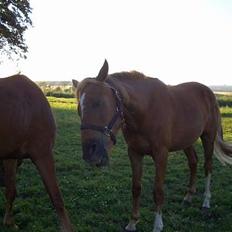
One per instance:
(155,119)
(27,130)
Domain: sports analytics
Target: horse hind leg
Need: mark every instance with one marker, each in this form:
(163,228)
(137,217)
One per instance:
(46,168)
(10,168)
(192,162)
(2,174)
(208,145)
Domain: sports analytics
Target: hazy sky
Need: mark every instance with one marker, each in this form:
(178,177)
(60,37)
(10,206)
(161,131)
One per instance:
(174,40)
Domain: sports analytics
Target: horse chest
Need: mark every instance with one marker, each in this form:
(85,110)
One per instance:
(137,142)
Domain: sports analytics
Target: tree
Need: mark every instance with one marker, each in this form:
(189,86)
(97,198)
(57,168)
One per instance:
(14,21)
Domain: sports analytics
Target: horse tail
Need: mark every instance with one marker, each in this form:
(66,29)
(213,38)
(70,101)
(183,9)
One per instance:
(222,149)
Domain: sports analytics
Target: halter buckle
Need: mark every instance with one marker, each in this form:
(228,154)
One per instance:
(107,131)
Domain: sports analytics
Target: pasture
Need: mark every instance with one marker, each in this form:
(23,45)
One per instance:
(99,200)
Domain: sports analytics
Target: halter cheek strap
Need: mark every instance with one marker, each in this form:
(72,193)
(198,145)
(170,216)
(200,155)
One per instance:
(107,130)
(104,130)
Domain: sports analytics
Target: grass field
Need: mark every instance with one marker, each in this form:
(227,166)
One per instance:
(99,200)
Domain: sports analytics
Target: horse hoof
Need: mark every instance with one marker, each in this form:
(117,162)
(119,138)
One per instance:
(158,229)
(15,227)
(126,230)
(186,203)
(12,226)
(206,212)
(130,229)
(9,222)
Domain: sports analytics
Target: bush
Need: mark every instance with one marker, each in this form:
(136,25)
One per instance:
(224,100)
(59,94)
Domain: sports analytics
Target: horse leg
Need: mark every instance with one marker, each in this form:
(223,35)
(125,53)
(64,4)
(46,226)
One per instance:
(10,167)
(208,145)
(192,162)
(160,159)
(136,164)
(2,184)
(46,168)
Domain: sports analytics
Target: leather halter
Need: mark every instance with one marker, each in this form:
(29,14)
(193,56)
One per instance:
(107,130)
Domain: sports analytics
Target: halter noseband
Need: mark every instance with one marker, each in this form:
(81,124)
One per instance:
(107,130)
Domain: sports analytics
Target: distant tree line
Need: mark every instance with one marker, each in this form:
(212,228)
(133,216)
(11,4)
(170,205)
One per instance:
(60,89)
(221,88)
(64,89)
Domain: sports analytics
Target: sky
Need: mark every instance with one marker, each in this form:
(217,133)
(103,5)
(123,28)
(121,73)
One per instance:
(175,41)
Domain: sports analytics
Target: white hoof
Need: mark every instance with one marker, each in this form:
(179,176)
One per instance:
(131,225)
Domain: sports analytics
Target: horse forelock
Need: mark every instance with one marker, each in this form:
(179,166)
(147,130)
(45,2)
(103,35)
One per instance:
(123,75)
(81,86)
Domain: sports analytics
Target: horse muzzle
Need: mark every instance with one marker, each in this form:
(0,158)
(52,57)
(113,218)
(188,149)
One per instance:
(94,153)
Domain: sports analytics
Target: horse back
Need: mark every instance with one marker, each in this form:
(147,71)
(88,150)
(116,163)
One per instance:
(25,116)
(192,96)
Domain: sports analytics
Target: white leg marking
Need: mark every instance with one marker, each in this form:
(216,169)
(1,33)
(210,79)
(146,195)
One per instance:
(158,224)
(82,98)
(188,197)
(131,225)
(207,194)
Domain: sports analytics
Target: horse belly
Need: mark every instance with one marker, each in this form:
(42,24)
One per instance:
(14,120)
(12,139)
(185,136)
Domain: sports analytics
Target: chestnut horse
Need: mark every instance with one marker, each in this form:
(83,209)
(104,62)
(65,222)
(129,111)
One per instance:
(155,119)
(27,130)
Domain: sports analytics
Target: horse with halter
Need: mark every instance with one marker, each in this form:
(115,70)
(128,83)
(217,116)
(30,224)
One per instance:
(27,130)
(155,119)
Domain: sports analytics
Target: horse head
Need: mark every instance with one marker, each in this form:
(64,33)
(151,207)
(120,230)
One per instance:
(100,111)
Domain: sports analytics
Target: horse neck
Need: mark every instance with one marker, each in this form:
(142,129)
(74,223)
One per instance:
(131,99)
(138,97)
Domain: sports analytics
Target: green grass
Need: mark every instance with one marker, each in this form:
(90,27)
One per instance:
(99,200)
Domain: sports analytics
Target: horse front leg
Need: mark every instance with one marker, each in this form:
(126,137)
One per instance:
(160,159)
(192,162)
(10,167)
(137,170)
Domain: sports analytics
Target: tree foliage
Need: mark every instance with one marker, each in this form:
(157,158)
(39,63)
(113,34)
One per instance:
(14,21)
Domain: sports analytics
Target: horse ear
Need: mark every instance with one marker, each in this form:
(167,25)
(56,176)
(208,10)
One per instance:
(103,73)
(75,83)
